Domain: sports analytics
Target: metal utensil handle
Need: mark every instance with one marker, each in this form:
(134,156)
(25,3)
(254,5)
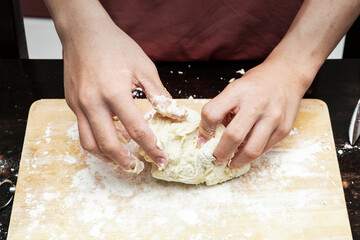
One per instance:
(11,190)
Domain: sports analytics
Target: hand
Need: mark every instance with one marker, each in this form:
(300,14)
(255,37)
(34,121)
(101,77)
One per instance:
(258,111)
(101,69)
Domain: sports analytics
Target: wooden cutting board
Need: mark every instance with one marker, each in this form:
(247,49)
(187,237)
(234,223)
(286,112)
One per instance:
(292,192)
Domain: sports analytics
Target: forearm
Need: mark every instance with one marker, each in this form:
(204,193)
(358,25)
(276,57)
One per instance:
(314,33)
(80,18)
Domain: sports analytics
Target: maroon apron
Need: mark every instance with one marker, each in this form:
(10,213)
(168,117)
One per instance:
(188,30)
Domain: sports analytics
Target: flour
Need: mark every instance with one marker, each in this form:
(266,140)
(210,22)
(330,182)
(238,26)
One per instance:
(293,131)
(48,133)
(48,130)
(69,159)
(241,71)
(48,196)
(349,146)
(277,164)
(346,148)
(190,216)
(200,101)
(37,211)
(73,132)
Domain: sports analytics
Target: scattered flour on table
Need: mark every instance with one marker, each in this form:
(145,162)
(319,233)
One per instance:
(293,131)
(48,133)
(100,188)
(73,132)
(48,196)
(69,159)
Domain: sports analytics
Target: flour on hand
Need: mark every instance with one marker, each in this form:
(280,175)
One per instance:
(187,161)
(168,107)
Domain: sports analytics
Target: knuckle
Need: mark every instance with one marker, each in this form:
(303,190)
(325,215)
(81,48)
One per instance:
(107,148)
(233,137)
(276,115)
(153,152)
(151,68)
(208,114)
(111,95)
(221,156)
(91,148)
(149,73)
(258,107)
(85,98)
(284,130)
(252,152)
(137,132)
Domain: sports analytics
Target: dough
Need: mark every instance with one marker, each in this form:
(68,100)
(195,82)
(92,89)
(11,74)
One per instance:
(187,162)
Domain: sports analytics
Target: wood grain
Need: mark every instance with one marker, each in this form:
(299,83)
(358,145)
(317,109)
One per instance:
(257,206)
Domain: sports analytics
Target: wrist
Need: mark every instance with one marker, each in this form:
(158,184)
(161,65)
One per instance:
(80,20)
(301,71)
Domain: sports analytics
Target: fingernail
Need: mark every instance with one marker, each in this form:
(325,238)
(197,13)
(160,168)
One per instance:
(135,166)
(132,165)
(161,162)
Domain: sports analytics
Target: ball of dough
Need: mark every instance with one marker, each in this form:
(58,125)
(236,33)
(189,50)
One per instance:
(187,162)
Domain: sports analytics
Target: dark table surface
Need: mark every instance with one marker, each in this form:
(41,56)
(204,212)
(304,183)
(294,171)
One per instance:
(24,81)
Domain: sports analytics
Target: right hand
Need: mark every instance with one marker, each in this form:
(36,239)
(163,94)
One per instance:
(101,69)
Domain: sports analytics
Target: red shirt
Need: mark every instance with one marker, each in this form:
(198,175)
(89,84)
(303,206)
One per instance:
(188,30)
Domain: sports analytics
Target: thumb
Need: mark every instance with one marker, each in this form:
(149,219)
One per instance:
(209,122)
(212,114)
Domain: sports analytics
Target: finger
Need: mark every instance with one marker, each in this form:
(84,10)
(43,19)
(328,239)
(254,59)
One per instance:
(107,139)
(152,85)
(168,107)
(212,114)
(87,139)
(137,127)
(279,134)
(125,136)
(283,128)
(255,144)
(122,133)
(159,97)
(234,135)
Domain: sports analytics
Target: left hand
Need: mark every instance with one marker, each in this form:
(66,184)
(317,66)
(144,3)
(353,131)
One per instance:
(258,111)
